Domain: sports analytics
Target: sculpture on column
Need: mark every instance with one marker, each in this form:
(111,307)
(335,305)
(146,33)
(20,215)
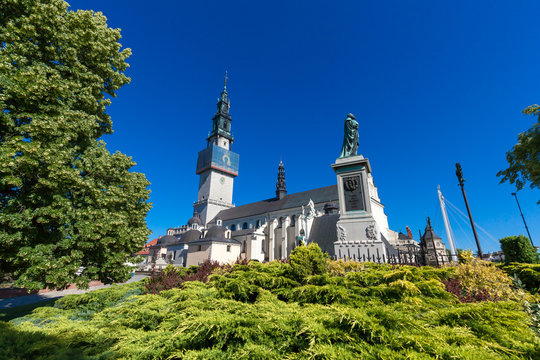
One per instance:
(350,139)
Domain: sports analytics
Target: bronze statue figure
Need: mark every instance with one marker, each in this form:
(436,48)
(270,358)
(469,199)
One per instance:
(350,140)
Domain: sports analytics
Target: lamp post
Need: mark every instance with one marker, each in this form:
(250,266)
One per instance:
(459,174)
(523,217)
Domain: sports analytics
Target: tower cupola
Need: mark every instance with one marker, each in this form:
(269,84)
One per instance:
(221,122)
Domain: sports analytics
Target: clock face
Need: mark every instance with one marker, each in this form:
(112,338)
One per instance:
(222,180)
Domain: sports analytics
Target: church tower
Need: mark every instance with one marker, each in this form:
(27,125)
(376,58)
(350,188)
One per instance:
(281,188)
(217,165)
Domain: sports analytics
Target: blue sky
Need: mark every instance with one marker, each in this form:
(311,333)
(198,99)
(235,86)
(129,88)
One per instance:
(431,84)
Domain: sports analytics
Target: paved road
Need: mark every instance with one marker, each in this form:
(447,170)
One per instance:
(31,299)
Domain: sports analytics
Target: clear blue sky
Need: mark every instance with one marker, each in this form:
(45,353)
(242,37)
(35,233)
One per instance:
(431,83)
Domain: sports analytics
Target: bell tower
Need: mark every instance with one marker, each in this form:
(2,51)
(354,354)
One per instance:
(217,165)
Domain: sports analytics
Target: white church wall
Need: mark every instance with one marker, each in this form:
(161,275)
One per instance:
(225,253)
(256,250)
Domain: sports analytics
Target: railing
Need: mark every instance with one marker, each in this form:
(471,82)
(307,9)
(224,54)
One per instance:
(399,258)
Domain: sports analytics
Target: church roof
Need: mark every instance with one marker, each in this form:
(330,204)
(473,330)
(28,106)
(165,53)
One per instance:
(320,195)
(167,240)
(190,235)
(215,233)
(195,220)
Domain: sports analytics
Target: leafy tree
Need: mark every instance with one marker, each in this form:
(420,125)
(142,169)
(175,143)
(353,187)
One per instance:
(518,249)
(65,201)
(524,158)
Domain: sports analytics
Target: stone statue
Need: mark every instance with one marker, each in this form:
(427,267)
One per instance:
(350,139)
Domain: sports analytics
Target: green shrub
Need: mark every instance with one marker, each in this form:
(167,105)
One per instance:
(478,275)
(529,274)
(308,260)
(518,249)
(259,311)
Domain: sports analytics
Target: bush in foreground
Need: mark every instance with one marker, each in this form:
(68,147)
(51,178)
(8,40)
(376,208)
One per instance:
(263,311)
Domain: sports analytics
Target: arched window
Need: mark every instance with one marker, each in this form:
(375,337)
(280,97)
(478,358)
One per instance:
(228,248)
(293,220)
(233,227)
(245,225)
(258,223)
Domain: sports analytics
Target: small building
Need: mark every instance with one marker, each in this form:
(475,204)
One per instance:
(215,246)
(145,252)
(432,247)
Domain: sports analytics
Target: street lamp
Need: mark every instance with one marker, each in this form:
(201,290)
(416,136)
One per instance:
(523,217)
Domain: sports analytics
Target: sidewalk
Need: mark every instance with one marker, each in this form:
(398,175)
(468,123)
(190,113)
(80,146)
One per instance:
(8,303)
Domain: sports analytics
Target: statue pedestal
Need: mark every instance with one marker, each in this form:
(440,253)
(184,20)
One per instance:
(358,236)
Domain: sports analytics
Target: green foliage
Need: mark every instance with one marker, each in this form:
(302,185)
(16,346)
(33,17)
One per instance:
(65,201)
(258,311)
(308,260)
(518,249)
(341,267)
(477,277)
(528,274)
(465,256)
(534,313)
(523,159)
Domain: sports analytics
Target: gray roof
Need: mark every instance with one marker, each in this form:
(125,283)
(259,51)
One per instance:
(321,195)
(215,233)
(323,232)
(167,240)
(191,235)
(402,236)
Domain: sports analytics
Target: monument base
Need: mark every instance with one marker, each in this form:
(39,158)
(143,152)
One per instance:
(358,235)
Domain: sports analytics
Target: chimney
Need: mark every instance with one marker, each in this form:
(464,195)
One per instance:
(409,232)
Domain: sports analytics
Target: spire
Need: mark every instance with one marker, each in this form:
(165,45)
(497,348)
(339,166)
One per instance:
(281,189)
(221,122)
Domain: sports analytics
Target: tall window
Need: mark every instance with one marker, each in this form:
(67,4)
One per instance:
(233,227)
(258,223)
(228,248)
(245,225)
